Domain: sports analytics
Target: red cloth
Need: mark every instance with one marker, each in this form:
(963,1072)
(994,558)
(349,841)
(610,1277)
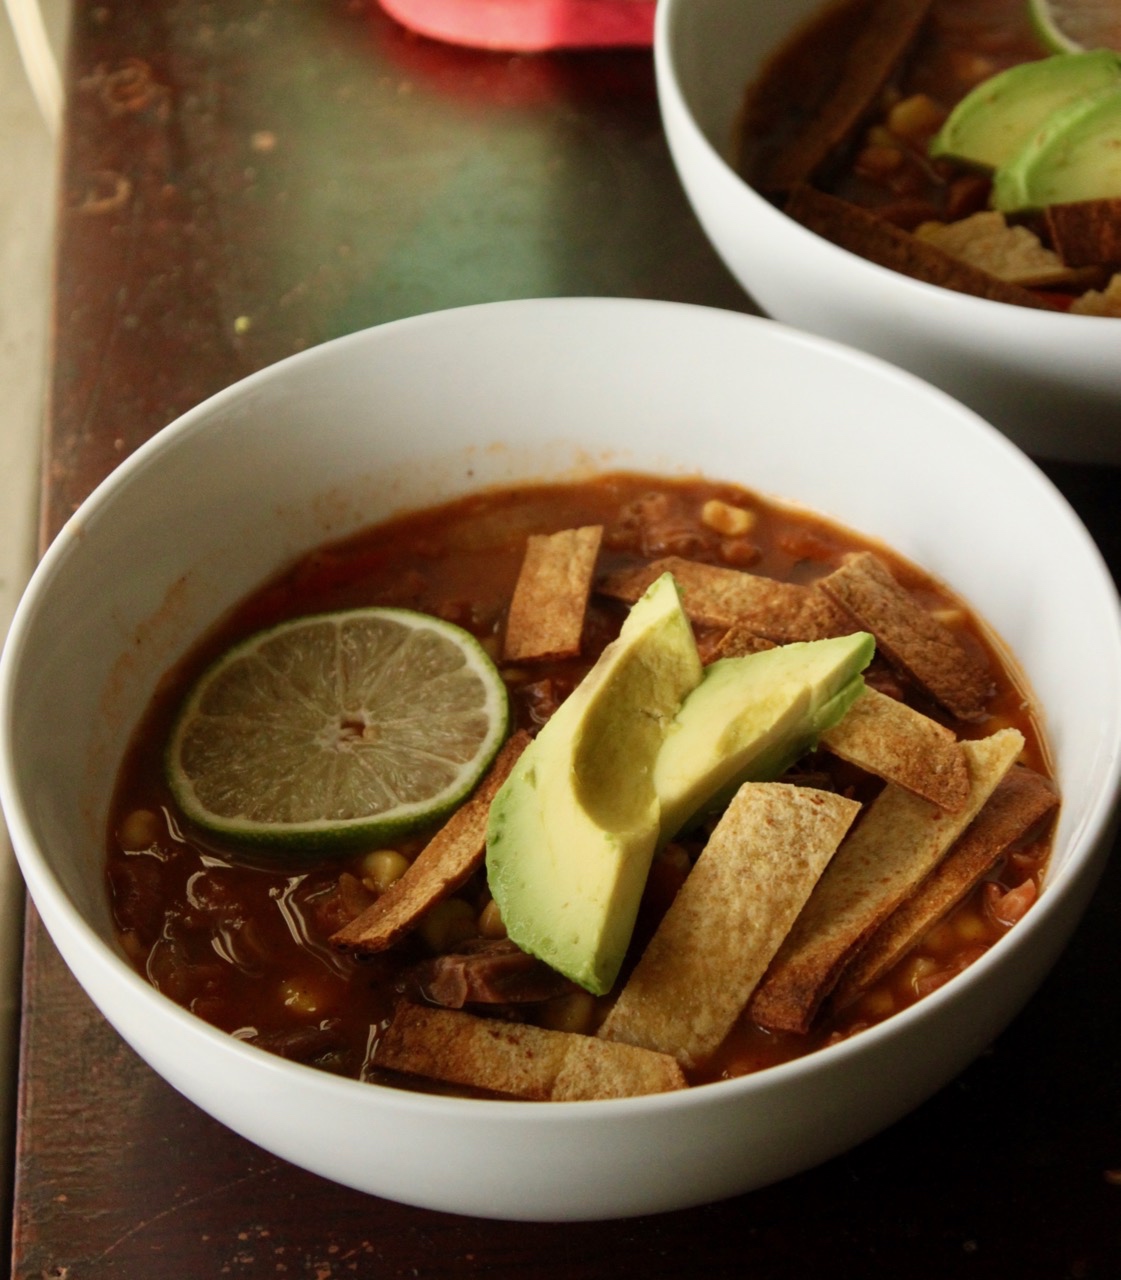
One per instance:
(529,25)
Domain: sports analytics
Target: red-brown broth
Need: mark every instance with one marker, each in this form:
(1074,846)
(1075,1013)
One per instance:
(243,943)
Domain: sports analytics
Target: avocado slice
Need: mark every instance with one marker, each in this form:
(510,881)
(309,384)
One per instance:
(573,829)
(1075,155)
(750,718)
(994,120)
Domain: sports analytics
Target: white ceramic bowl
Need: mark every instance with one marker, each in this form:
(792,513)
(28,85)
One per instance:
(424,408)
(1051,382)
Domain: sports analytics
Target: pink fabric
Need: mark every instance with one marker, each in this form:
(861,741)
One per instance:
(529,25)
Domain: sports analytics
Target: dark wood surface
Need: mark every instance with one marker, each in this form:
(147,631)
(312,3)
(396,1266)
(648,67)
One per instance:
(242,180)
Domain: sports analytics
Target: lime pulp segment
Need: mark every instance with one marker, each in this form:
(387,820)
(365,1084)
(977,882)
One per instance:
(337,729)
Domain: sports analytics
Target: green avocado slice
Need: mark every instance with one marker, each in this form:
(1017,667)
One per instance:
(573,829)
(1075,155)
(750,718)
(997,118)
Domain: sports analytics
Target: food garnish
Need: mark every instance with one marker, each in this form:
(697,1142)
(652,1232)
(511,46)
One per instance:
(521,1061)
(1021,800)
(900,839)
(573,829)
(728,919)
(546,618)
(337,730)
(444,864)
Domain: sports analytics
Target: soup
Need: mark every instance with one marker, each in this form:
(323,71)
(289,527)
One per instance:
(251,942)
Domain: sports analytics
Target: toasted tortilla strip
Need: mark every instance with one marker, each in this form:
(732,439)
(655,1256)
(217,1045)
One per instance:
(897,843)
(1100,302)
(826,81)
(892,740)
(546,618)
(728,919)
(445,863)
(1012,253)
(518,1060)
(719,597)
(1021,800)
(864,233)
(737,642)
(1086,233)
(910,637)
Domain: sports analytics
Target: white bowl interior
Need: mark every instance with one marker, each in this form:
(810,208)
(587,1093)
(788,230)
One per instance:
(422,409)
(1050,382)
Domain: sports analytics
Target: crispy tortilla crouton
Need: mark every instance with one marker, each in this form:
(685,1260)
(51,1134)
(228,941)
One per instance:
(890,739)
(1100,302)
(715,596)
(518,1060)
(445,863)
(728,919)
(1022,799)
(909,636)
(864,233)
(898,841)
(1012,253)
(1086,233)
(737,642)
(550,601)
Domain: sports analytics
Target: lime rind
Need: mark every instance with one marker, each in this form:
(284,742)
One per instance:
(1085,25)
(336,731)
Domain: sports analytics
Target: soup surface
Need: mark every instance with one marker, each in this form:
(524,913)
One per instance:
(243,940)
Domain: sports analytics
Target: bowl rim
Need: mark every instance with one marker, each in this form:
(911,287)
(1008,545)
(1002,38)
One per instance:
(82,937)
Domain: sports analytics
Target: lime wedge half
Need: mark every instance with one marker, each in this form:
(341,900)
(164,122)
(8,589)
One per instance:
(1074,26)
(337,730)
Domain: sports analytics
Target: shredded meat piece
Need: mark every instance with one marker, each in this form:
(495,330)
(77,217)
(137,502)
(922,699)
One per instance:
(488,972)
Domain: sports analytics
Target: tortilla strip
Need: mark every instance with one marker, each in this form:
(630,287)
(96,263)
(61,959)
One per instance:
(713,595)
(445,863)
(870,236)
(1086,233)
(898,841)
(728,919)
(1021,800)
(519,1060)
(1010,252)
(892,740)
(550,600)
(737,642)
(910,637)
(827,81)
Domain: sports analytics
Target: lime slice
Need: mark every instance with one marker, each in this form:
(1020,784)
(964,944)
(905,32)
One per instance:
(337,730)
(1073,26)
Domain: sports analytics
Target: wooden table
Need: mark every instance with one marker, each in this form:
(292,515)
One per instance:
(242,180)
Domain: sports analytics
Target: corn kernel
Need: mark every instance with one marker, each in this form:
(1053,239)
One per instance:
(916,118)
(139,830)
(972,928)
(727,519)
(301,997)
(877,1003)
(575,1012)
(491,924)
